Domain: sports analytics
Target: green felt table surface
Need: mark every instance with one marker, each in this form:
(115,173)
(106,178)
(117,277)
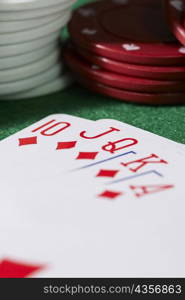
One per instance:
(167,121)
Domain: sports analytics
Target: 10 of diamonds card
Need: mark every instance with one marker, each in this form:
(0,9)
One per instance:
(83,198)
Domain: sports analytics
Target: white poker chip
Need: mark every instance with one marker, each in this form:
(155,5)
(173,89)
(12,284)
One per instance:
(28,35)
(17,5)
(24,59)
(28,47)
(20,73)
(35,13)
(10,89)
(16,26)
(54,86)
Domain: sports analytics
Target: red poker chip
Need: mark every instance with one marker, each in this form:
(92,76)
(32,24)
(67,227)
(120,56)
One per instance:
(128,96)
(127,30)
(176,12)
(151,72)
(93,72)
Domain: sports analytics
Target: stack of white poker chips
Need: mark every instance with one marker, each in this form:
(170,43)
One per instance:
(30,47)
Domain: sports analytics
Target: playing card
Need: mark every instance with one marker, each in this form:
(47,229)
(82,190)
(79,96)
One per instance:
(117,211)
(98,165)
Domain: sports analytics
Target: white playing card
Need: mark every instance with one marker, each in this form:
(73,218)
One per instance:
(76,227)
(104,157)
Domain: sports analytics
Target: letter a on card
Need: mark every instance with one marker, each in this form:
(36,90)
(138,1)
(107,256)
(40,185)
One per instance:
(144,190)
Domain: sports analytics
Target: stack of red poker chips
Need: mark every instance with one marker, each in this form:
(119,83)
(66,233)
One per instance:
(125,49)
